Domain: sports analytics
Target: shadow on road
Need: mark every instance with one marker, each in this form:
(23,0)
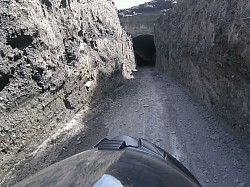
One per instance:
(93,129)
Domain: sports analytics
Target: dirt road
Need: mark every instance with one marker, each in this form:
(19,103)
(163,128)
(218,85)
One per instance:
(158,108)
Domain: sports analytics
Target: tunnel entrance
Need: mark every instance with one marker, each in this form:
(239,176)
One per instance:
(144,49)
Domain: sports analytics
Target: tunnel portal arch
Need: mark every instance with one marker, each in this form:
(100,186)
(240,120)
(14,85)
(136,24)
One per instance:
(141,32)
(144,49)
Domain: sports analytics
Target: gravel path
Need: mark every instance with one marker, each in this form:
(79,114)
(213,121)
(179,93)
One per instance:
(158,108)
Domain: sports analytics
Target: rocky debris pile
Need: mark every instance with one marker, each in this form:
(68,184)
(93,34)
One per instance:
(207,45)
(55,57)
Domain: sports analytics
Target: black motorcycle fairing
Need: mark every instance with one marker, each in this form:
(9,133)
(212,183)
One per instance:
(140,144)
(129,163)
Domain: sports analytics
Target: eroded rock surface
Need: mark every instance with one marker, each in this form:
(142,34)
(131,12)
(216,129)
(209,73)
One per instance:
(207,45)
(55,57)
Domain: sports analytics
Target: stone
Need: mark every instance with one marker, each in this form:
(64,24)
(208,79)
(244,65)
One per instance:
(79,142)
(214,136)
(225,176)
(242,184)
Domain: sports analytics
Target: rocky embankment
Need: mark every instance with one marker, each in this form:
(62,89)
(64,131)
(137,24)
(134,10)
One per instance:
(207,45)
(55,58)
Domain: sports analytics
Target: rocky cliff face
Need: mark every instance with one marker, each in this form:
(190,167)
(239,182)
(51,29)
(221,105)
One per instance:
(207,45)
(55,57)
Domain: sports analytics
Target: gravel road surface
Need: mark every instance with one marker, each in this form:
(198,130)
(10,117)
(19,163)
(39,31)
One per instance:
(158,108)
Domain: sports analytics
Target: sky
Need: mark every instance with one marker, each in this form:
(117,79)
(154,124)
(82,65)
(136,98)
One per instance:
(121,4)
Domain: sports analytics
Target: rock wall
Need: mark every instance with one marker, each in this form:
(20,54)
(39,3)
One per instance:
(207,45)
(140,24)
(55,57)
(140,20)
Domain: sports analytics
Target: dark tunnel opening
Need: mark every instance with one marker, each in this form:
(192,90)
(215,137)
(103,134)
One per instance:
(144,49)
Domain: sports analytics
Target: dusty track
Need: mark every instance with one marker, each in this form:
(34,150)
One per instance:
(158,108)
